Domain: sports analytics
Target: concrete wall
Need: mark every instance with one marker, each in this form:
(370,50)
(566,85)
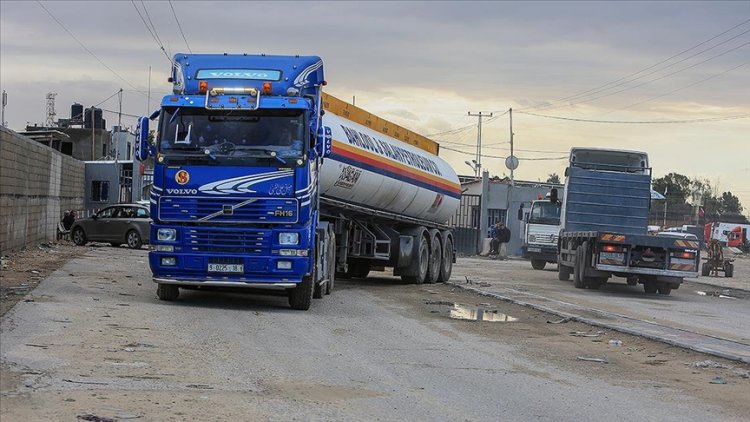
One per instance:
(37,184)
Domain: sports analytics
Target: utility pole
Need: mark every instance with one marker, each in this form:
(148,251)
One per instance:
(119,112)
(5,102)
(93,135)
(478,167)
(510,112)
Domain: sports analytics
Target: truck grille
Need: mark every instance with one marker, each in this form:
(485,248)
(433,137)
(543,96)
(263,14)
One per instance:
(546,238)
(228,210)
(227,240)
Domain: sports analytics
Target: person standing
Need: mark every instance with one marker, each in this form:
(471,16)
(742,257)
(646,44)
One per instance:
(504,238)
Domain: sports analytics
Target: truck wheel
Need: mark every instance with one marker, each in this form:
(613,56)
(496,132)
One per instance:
(538,264)
(578,266)
(446,266)
(435,261)
(563,272)
(423,260)
(167,292)
(705,269)
(729,270)
(650,287)
(301,296)
(664,288)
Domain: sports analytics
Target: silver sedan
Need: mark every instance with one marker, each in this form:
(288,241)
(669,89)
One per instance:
(118,224)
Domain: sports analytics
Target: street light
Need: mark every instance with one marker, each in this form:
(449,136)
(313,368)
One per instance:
(697,200)
(474,166)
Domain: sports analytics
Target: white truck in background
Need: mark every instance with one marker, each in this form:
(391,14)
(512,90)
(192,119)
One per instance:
(541,232)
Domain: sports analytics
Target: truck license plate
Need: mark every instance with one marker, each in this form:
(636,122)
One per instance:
(535,249)
(226,268)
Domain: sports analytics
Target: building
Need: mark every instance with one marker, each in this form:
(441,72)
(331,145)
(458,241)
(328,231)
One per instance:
(80,143)
(487,201)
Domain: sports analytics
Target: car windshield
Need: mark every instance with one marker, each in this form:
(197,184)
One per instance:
(545,212)
(264,137)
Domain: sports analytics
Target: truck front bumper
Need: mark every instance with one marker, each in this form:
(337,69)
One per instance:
(546,252)
(256,271)
(646,271)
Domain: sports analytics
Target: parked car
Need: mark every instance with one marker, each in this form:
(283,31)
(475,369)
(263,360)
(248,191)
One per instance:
(118,224)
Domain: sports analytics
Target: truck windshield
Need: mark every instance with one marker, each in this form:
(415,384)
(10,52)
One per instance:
(544,212)
(232,137)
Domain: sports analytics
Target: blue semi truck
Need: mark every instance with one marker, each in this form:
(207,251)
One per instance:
(263,181)
(604,221)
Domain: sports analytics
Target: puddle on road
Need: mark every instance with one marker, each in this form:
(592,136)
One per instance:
(476,313)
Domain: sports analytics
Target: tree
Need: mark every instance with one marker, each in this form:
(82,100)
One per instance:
(730,204)
(553,178)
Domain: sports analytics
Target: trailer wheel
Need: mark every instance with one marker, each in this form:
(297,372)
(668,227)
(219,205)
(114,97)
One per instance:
(563,272)
(664,288)
(728,270)
(167,292)
(423,260)
(705,270)
(538,264)
(446,266)
(650,287)
(578,266)
(301,296)
(435,261)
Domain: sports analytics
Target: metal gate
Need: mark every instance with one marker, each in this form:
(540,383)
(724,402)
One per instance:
(466,224)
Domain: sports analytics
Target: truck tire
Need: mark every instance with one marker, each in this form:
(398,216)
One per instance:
(664,288)
(650,287)
(578,266)
(563,272)
(446,266)
(167,292)
(728,270)
(436,258)
(301,296)
(705,270)
(423,260)
(538,264)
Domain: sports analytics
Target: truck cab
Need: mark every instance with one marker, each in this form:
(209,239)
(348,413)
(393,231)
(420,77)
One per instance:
(237,149)
(541,232)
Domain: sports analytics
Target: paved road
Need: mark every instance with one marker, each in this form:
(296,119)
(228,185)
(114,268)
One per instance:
(696,307)
(95,340)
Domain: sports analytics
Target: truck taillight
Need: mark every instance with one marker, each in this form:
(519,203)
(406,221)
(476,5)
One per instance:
(612,248)
(683,254)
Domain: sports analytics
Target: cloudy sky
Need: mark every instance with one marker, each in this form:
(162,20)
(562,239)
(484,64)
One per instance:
(668,78)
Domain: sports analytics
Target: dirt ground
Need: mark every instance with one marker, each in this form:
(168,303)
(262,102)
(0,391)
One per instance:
(637,362)
(20,272)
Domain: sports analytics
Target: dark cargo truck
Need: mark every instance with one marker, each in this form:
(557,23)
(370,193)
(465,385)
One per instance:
(604,221)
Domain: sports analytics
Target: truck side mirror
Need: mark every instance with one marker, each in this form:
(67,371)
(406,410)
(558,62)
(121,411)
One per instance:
(553,195)
(325,142)
(520,212)
(142,146)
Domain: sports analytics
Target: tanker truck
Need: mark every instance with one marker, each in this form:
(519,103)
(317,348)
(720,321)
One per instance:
(262,181)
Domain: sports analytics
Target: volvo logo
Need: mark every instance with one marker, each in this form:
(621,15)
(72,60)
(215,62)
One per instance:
(182,177)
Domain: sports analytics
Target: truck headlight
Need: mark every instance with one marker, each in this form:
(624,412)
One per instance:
(166,235)
(288,238)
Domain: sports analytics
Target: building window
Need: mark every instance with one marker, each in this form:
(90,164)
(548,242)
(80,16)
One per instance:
(100,191)
(67,148)
(494,216)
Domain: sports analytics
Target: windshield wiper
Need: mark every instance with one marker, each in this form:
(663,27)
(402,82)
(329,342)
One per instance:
(229,149)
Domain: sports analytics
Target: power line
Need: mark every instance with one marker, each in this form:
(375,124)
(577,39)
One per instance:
(684,87)
(179,26)
(502,157)
(656,79)
(594,90)
(710,119)
(86,48)
(108,98)
(152,32)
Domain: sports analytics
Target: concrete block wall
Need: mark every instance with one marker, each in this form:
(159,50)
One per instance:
(37,184)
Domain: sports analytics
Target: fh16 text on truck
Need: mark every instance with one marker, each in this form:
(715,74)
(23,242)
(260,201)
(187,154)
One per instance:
(604,221)
(256,186)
